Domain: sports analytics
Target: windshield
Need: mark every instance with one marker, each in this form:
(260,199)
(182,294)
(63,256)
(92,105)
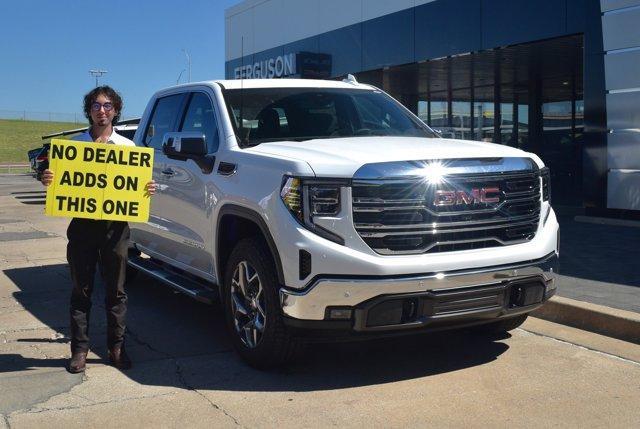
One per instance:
(275,114)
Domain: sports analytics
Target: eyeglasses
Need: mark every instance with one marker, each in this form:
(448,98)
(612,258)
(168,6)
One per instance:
(97,106)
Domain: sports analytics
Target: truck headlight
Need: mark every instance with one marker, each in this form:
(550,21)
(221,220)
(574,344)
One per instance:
(309,198)
(545,174)
(291,194)
(324,200)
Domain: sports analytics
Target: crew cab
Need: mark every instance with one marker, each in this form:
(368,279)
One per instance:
(324,208)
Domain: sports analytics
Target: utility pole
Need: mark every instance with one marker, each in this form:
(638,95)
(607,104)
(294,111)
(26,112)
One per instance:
(188,61)
(97,74)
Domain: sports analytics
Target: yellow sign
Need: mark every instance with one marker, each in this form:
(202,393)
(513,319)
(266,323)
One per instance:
(99,181)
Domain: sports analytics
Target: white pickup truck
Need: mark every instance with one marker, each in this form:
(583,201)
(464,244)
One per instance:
(324,208)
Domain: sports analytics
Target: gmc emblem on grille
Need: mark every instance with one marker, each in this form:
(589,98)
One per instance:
(456,198)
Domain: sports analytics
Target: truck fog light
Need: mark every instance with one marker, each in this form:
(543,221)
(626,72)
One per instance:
(339,313)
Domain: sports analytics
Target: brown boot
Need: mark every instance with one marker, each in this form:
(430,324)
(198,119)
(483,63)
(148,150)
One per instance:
(78,362)
(118,357)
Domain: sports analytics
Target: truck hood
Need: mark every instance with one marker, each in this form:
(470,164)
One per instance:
(342,157)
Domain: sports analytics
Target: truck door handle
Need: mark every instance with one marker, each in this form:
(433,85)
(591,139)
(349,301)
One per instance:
(168,172)
(226,168)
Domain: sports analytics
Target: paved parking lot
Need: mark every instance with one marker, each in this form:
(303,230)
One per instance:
(186,375)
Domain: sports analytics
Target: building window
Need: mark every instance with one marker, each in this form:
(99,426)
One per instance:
(461,114)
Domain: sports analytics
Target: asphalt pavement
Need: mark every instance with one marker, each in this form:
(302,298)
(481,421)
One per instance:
(186,375)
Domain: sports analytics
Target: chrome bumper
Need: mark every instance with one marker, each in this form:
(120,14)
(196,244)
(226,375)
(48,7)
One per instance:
(312,303)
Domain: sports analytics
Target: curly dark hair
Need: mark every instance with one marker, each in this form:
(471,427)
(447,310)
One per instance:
(108,92)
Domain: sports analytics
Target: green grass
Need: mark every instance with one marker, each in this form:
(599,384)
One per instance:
(17,137)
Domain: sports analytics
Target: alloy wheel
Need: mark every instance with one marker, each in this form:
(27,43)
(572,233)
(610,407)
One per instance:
(248,304)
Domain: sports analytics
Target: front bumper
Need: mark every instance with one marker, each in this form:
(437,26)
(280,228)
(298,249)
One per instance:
(369,304)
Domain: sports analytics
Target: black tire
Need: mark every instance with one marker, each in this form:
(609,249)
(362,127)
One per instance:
(503,326)
(275,346)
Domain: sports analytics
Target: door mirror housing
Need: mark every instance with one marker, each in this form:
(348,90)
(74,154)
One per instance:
(188,145)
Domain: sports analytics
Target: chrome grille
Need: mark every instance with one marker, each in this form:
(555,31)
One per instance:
(399,216)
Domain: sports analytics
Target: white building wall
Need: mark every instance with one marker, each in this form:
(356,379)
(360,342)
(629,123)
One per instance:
(239,33)
(621,37)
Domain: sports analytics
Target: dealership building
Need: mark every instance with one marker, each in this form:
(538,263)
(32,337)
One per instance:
(560,78)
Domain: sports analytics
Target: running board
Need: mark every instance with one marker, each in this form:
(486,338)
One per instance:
(188,286)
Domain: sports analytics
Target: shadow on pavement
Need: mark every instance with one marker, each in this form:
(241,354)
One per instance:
(15,362)
(29,192)
(605,253)
(30,197)
(43,340)
(175,341)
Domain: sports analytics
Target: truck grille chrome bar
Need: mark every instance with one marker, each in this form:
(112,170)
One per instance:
(412,216)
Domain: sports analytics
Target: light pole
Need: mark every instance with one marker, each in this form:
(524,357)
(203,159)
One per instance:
(180,75)
(97,74)
(188,61)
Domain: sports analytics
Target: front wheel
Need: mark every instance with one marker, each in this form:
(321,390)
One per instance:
(252,310)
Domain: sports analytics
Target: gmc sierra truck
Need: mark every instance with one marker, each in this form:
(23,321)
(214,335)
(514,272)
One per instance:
(325,208)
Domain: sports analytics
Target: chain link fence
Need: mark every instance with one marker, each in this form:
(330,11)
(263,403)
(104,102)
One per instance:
(15,169)
(26,115)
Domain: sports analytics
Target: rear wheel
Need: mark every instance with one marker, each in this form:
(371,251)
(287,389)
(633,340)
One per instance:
(252,309)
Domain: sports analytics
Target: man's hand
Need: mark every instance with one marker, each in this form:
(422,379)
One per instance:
(151,188)
(47,177)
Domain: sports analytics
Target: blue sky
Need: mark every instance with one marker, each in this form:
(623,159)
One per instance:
(47,48)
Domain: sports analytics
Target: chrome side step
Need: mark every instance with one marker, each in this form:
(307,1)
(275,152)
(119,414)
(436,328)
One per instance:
(193,288)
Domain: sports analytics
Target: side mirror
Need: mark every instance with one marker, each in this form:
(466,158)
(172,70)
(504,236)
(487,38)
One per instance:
(188,145)
(183,146)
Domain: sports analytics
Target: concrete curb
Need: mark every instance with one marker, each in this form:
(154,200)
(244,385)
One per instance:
(620,324)
(608,221)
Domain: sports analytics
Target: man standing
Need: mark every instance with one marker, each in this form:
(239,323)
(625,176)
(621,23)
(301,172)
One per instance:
(91,241)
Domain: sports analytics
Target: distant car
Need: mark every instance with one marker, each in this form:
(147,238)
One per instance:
(39,157)
(39,160)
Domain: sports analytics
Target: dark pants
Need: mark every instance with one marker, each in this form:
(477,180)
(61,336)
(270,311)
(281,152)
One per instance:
(91,241)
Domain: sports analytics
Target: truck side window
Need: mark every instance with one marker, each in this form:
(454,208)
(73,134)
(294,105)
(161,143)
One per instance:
(201,117)
(164,114)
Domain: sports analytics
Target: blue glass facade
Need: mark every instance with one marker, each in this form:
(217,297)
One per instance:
(528,73)
(437,29)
